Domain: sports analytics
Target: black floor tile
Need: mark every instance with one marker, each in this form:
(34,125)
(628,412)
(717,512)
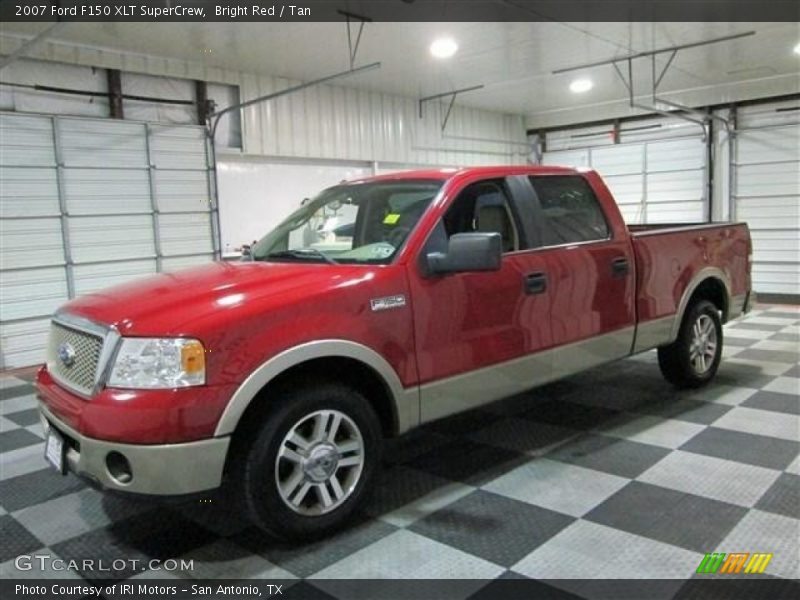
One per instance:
(739,342)
(410,445)
(759,450)
(783,497)
(775,402)
(610,455)
(513,586)
(462,424)
(777,356)
(16,539)
(16,391)
(785,337)
(158,534)
(37,487)
(795,370)
(685,520)
(397,486)
(685,409)
(496,528)
(466,461)
(303,559)
(523,435)
(570,415)
(755,325)
(17,438)
(24,418)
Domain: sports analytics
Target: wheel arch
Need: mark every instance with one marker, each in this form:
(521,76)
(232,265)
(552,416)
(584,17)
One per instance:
(710,284)
(397,407)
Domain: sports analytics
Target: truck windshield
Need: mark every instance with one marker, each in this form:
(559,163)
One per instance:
(350,223)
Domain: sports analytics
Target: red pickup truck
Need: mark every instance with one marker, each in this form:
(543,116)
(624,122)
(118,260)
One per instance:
(379,305)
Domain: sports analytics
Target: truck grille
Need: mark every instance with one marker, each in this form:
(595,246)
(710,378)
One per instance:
(73,357)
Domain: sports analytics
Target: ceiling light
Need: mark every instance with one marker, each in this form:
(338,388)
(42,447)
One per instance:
(444,47)
(580,85)
(797,49)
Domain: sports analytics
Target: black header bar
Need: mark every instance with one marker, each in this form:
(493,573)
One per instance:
(400,10)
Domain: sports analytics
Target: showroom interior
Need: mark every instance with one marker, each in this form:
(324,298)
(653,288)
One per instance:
(130,149)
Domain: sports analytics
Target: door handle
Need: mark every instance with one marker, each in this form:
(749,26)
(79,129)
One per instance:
(620,267)
(535,283)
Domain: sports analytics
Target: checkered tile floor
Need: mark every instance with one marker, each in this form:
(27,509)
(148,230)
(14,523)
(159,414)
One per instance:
(609,474)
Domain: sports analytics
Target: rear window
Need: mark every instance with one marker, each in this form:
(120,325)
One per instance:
(570,210)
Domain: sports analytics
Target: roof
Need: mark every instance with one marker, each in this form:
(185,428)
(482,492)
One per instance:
(493,171)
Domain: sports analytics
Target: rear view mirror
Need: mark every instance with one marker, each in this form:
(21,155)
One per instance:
(468,252)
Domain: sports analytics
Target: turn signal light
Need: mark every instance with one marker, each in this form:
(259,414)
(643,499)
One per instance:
(193,357)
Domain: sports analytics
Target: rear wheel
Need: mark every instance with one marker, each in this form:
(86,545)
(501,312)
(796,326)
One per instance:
(693,358)
(311,463)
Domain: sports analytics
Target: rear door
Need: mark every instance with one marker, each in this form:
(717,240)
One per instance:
(589,267)
(472,329)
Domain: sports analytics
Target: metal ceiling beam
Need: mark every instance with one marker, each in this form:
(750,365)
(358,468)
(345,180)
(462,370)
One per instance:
(664,50)
(216,116)
(353,49)
(452,95)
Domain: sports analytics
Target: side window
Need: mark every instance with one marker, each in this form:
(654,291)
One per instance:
(483,206)
(570,210)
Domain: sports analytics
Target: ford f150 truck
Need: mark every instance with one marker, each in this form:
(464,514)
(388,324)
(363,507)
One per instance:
(379,305)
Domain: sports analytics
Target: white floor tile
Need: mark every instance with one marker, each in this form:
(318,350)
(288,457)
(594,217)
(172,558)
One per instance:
(406,555)
(784,385)
(668,433)
(761,422)
(564,488)
(761,531)
(22,461)
(71,515)
(724,480)
(587,550)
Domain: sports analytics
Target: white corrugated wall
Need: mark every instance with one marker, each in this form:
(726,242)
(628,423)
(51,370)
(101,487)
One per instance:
(329,121)
(657,171)
(766,192)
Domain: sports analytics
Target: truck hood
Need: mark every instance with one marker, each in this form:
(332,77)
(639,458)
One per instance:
(165,304)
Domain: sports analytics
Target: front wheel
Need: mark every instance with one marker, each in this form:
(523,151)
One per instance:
(693,358)
(311,463)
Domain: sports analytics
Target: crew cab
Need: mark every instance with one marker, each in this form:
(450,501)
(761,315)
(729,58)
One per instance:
(379,305)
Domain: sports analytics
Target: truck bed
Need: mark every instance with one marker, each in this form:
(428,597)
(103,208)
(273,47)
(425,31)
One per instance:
(669,256)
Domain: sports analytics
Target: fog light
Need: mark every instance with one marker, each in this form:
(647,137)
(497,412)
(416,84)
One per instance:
(119,468)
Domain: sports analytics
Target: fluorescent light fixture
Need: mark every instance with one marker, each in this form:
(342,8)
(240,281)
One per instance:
(580,85)
(444,47)
(797,48)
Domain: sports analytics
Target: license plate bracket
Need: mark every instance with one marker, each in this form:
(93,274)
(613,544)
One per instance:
(55,451)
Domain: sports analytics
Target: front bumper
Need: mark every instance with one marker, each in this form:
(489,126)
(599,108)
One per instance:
(160,469)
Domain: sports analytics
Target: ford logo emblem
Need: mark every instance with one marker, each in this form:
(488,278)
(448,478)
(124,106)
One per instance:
(66,354)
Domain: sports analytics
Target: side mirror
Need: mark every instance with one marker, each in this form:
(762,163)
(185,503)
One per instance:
(468,252)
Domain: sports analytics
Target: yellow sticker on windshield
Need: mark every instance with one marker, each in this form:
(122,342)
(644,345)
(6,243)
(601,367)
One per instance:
(391,219)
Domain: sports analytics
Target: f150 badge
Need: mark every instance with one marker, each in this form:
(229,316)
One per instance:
(397,301)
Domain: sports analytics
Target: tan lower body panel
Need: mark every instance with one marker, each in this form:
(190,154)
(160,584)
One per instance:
(469,390)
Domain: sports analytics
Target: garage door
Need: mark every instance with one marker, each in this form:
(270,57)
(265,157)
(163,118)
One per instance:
(88,203)
(657,171)
(767,192)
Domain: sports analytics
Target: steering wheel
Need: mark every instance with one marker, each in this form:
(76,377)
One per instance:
(396,236)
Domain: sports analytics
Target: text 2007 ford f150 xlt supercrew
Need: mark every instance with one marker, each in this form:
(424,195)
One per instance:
(379,305)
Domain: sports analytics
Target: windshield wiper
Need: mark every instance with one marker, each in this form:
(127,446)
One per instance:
(304,254)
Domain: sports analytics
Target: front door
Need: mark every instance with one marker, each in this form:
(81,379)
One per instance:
(473,330)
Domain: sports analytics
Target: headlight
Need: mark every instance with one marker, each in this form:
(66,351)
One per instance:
(156,363)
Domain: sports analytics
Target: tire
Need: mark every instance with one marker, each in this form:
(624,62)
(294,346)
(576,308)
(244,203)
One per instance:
(296,453)
(692,360)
